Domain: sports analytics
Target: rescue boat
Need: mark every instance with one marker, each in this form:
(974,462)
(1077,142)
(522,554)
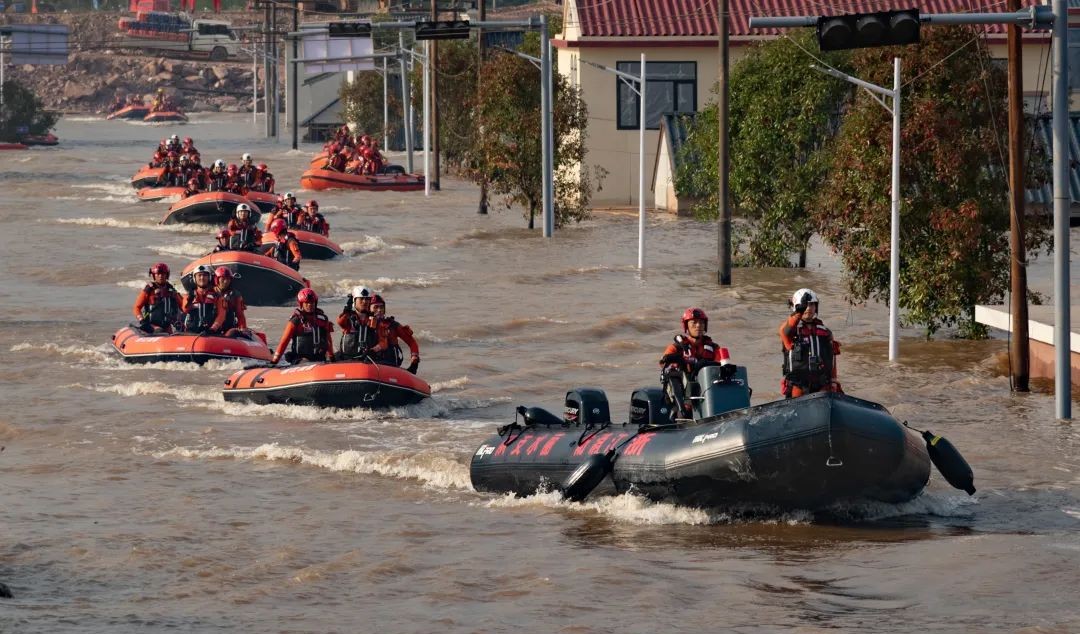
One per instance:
(320,179)
(313,245)
(336,384)
(135,346)
(318,161)
(165,116)
(48,139)
(152,194)
(265,201)
(130,112)
(207,208)
(262,281)
(809,452)
(13,146)
(147,177)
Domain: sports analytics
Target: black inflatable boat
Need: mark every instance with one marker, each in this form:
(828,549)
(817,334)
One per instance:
(807,452)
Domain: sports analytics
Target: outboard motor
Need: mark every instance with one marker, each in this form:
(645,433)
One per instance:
(539,416)
(648,407)
(721,390)
(587,406)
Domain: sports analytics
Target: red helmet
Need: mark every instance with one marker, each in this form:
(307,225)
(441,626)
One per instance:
(187,140)
(232,168)
(223,273)
(223,234)
(694,313)
(314,204)
(377,300)
(262,167)
(307,295)
(173,154)
(279,226)
(193,183)
(159,268)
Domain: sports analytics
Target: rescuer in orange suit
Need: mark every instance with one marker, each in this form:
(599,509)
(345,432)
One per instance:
(158,305)
(308,333)
(809,349)
(388,330)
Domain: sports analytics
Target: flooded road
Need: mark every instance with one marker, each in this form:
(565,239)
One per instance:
(136,499)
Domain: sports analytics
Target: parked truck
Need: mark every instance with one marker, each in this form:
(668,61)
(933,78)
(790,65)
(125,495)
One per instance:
(178,32)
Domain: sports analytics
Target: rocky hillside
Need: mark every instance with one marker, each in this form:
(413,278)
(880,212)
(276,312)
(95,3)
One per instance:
(96,73)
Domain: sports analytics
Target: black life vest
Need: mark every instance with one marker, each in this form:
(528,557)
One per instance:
(387,331)
(312,334)
(231,320)
(809,363)
(243,239)
(292,216)
(360,334)
(163,309)
(311,223)
(283,254)
(201,312)
(247,175)
(218,182)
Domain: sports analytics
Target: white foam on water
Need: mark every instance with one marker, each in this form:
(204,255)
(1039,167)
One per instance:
(98,354)
(84,119)
(139,284)
(191,249)
(370,244)
(344,287)
(452,384)
(432,469)
(127,224)
(628,508)
(125,191)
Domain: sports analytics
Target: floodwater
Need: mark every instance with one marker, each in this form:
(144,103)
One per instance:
(135,499)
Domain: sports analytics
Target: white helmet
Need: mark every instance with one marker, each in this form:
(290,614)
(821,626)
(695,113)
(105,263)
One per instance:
(245,157)
(362,291)
(243,207)
(801,298)
(202,268)
(219,163)
(175,137)
(290,195)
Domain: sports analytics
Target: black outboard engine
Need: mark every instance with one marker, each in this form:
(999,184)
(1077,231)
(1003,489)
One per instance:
(587,406)
(721,391)
(648,407)
(539,416)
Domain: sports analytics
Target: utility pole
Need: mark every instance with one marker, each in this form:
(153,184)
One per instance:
(1019,348)
(266,69)
(434,100)
(406,101)
(482,208)
(294,88)
(273,71)
(723,222)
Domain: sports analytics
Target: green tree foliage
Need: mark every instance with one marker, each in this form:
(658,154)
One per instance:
(781,116)
(363,100)
(510,153)
(954,241)
(23,113)
(456,68)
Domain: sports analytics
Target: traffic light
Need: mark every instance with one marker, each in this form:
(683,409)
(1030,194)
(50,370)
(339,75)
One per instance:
(863,30)
(349,29)
(450,30)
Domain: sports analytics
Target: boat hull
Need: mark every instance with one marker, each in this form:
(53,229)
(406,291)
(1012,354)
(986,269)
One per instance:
(154,194)
(320,179)
(165,116)
(130,112)
(136,346)
(147,177)
(313,246)
(262,281)
(266,202)
(215,208)
(808,452)
(345,384)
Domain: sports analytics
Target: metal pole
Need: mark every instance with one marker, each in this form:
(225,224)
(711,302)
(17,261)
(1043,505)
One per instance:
(267,83)
(723,222)
(274,72)
(294,85)
(427,118)
(405,110)
(894,242)
(433,62)
(277,95)
(254,82)
(1062,198)
(385,106)
(545,128)
(1,71)
(641,171)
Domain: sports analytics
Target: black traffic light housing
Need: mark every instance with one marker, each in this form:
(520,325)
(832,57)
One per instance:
(448,30)
(863,30)
(349,29)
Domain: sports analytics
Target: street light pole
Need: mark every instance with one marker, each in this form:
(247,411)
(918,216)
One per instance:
(427,117)
(894,231)
(641,170)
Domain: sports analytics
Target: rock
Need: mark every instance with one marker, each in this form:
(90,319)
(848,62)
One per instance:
(169,66)
(5,592)
(221,72)
(76,90)
(28,68)
(195,79)
(163,76)
(151,68)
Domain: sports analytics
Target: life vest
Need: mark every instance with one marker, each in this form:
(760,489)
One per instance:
(282,252)
(247,176)
(163,309)
(387,329)
(809,363)
(201,311)
(232,298)
(358,334)
(242,237)
(312,334)
(218,182)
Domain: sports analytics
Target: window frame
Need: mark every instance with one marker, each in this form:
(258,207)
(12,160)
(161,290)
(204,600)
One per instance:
(674,83)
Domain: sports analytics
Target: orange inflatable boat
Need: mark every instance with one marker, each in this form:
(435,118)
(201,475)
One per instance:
(338,384)
(265,201)
(135,346)
(314,246)
(130,112)
(147,177)
(151,194)
(263,281)
(319,179)
(164,116)
(213,208)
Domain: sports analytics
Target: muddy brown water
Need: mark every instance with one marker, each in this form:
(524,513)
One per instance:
(135,499)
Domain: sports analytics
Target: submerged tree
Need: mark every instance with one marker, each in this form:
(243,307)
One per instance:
(782,115)
(954,218)
(23,113)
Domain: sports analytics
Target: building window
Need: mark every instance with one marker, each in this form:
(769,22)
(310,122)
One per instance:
(669,87)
